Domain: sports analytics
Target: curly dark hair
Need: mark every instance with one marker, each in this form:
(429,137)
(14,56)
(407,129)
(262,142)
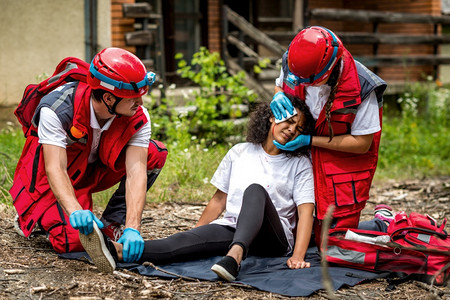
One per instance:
(259,124)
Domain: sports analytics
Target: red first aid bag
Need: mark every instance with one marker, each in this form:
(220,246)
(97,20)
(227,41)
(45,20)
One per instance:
(415,244)
(68,70)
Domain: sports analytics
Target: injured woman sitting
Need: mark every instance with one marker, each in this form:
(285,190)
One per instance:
(266,196)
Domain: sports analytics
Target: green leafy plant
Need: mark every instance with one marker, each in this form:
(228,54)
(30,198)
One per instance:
(262,64)
(216,102)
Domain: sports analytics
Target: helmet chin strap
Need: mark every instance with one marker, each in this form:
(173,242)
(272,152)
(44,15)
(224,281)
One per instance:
(112,109)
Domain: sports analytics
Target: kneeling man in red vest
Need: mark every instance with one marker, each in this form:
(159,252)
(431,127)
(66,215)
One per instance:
(88,134)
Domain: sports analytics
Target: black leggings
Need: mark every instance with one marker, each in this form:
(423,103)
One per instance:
(258,231)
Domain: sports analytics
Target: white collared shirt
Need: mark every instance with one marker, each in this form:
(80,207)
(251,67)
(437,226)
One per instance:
(51,131)
(96,132)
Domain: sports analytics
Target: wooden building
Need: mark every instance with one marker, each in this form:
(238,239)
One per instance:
(189,24)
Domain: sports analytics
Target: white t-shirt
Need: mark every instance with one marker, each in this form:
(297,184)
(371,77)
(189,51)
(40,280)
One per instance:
(367,119)
(51,132)
(288,181)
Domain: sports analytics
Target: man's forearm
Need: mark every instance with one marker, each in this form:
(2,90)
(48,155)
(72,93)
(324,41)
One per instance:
(63,191)
(346,143)
(135,185)
(135,200)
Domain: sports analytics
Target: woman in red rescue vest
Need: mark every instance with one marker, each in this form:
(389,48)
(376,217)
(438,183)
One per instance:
(345,99)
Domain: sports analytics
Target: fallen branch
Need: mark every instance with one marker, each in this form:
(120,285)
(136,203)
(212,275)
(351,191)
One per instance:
(326,279)
(13,271)
(127,276)
(198,293)
(9,279)
(52,292)
(168,272)
(40,289)
(3,263)
(156,293)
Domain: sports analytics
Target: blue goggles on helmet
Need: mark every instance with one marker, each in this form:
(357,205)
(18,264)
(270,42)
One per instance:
(149,79)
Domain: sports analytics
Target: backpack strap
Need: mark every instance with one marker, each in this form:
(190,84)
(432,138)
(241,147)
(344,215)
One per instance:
(396,233)
(68,70)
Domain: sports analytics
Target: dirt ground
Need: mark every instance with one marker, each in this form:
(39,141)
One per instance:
(29,269)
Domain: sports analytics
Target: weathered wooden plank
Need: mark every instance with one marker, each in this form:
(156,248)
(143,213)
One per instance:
(242,46)
(375,16)
(139,38)
(137,10)
(392,39)
(275,20)
(254,33)
(389,60)
(373,38)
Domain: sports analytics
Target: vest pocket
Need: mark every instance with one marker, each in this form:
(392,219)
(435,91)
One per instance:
(23,200)
(30,183)
(348,181)
(350,188)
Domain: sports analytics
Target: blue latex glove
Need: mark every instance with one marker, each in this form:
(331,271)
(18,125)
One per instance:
(82,221)
(280,103)
(300,141)
(133,245)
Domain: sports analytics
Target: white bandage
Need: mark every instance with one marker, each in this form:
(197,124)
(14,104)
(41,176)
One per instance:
(288,116)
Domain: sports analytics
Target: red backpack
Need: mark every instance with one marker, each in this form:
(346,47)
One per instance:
(68,70)
(414,245)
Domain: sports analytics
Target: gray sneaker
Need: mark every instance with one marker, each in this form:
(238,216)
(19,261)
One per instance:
(37,230)
(95,246)
(17,226)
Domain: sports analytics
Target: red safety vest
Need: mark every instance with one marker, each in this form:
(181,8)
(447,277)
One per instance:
(341,178)
(31,192)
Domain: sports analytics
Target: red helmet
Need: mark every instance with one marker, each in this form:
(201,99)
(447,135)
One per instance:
(120,72)
(313,53)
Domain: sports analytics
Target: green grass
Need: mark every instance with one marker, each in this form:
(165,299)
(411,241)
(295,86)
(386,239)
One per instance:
(187,173)
(415,140)
(11,143)
(413,149)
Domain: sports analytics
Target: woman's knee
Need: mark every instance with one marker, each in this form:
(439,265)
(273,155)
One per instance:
(255,192)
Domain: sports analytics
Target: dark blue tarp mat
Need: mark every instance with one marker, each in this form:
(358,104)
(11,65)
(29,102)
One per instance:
(266,274)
